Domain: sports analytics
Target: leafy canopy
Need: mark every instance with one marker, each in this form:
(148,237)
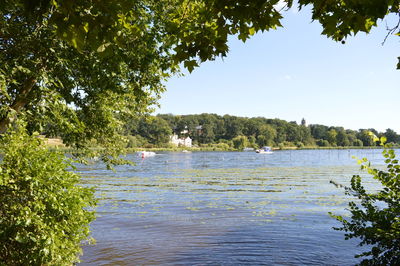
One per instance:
(343,18)
(79,69)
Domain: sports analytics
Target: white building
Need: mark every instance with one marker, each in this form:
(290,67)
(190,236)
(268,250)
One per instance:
(186,142)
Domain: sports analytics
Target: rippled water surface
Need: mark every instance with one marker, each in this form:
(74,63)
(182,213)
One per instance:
(223,208)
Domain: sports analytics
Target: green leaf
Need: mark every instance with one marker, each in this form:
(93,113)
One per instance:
(103,47)
(242,36)
(20,239)
(190,65)
(252,31)
(86,27)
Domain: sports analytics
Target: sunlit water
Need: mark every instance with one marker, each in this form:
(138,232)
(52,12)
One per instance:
(224,208)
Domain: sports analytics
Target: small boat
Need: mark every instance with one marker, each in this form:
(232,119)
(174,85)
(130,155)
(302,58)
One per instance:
(265,150)
(145,154)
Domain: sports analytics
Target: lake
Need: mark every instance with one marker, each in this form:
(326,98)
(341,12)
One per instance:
(224,208)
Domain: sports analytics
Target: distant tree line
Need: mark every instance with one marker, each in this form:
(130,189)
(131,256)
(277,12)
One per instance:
(239,132)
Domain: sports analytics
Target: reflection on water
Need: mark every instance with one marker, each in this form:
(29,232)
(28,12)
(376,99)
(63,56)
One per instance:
(229,208)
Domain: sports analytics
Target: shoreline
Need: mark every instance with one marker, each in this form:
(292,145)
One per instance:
(217,149)
(195,149)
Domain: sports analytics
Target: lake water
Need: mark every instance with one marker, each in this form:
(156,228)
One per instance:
(224,208)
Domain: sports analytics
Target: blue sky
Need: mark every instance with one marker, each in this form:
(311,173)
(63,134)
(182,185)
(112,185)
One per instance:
(295,72)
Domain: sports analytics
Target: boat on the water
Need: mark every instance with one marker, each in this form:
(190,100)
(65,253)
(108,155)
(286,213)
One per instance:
(145,154)
(265,150)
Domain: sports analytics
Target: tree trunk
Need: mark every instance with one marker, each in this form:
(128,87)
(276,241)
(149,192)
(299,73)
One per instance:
(20,101)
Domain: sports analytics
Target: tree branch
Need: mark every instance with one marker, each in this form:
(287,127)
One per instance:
(391,30)
(20,101)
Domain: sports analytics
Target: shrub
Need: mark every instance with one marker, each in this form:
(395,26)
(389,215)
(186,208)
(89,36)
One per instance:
(299,144)
(228,142)
(240,142)
(358,143)
(135,141)
(288,144)
(44,214)
(375,219)
(221,147)
(149,146)
(323,143)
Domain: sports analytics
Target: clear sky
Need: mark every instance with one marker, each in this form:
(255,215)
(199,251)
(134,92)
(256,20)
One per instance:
(295,72)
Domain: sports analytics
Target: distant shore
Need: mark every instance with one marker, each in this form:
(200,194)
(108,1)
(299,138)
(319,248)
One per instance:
(194,149)
(57,144)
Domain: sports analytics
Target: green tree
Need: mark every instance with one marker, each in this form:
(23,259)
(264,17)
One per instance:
(240,142)
(108,58)
(305,135)
(342,138)
(351,136)
(252,126)
(219,128)
(375,216)
(261,141)
(331,136)
(111,57)
(266,135)
(233,126)
(206,134)
(319,131)
(391,136)
(293,133)
(44,213)
(208,124)
(364,136)
(52,72)
(135,141)
(252,142)
(358,143)
(172,121)
(323,143)
(155,129)
(280,126)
